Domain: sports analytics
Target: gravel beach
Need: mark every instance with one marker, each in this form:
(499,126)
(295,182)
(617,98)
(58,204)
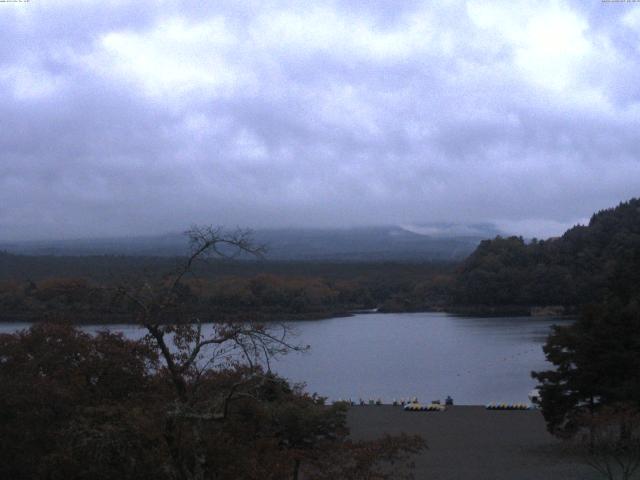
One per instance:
(470,442)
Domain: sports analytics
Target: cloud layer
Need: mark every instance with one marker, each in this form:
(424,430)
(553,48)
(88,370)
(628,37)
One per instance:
(118,119)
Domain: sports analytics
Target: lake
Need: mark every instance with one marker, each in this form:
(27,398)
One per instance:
(395,355)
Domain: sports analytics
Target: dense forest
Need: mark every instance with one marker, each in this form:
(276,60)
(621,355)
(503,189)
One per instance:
(586,264)
(84,289)
(592,392)
(180,403)
(503,275)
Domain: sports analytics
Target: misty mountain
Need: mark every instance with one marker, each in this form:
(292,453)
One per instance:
(432,242)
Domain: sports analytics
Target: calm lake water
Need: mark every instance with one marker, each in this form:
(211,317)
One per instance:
(394,355)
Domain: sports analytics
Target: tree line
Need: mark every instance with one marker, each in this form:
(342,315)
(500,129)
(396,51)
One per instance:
(586,264)
(185,402)
(592,392)
(264,296)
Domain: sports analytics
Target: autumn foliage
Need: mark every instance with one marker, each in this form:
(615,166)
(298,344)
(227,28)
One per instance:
(75,406)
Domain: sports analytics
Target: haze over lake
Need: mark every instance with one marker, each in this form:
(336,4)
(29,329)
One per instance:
(394,355)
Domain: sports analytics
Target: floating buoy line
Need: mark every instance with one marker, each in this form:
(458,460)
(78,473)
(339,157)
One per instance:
(508,406)
(417,407)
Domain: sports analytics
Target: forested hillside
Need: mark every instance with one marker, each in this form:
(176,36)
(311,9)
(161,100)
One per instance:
(504,275)
(83,289)
(587,264)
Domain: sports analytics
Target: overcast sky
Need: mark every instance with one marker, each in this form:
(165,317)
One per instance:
(123,117)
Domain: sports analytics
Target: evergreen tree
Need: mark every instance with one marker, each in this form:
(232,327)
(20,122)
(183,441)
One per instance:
(597,364)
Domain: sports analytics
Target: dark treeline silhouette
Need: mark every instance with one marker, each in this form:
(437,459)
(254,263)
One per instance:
(79,288)
(106,268)
(584,265)
(592,393)
(597,365)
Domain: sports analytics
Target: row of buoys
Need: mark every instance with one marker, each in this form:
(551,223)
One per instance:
(416,407)
(508,406)
(401,403)
(362,402)
(377,401)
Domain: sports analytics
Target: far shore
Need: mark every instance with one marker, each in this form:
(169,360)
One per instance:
(100,318)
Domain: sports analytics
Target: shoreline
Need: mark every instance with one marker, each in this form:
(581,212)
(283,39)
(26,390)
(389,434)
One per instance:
(100,318)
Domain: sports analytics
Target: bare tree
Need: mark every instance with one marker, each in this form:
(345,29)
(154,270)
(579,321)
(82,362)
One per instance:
(188,348)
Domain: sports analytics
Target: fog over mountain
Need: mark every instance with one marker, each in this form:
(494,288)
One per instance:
(129,118)
(444,242)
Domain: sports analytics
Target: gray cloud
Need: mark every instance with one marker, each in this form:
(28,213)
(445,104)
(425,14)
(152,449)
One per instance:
(118,119)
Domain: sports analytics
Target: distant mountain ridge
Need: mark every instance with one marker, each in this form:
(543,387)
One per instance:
(431,242)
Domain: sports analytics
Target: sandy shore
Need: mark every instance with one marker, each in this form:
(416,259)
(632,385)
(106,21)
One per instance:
(470,442)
